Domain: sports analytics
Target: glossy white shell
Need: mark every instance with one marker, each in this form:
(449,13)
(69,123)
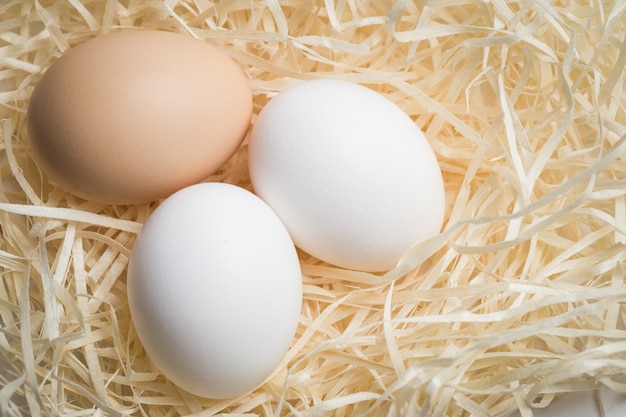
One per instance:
(215,290)
(349,173)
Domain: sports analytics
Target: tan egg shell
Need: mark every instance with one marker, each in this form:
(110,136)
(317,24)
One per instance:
(135,115)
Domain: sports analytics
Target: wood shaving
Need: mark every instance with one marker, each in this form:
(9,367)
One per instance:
(519,300)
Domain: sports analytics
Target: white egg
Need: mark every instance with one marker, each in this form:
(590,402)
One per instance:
(215,289)
(351,176)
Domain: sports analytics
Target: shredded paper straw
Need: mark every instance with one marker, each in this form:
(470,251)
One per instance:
(520,300)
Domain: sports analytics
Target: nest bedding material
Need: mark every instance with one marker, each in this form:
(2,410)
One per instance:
(520,299)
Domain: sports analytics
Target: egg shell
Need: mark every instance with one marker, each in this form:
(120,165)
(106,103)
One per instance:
(350,174)
(135,115)
(215,289)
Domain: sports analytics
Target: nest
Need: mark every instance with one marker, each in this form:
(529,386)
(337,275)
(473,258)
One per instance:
(520,299)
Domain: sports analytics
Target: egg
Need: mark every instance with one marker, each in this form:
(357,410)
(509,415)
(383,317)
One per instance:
(214,289)
(352,177)
(135,115)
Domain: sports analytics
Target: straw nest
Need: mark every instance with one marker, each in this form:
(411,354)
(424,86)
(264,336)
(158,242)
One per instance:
(519,299)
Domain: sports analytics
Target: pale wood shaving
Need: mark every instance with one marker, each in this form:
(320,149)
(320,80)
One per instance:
(519,300)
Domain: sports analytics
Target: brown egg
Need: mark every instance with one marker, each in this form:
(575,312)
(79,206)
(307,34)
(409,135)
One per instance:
(135,115)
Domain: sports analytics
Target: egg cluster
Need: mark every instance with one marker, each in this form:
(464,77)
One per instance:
(214,281)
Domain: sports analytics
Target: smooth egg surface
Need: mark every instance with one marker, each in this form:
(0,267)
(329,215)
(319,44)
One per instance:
(135,115)
(215,289)
(350,174)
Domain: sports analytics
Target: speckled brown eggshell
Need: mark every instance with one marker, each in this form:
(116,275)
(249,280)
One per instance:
(136,115)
